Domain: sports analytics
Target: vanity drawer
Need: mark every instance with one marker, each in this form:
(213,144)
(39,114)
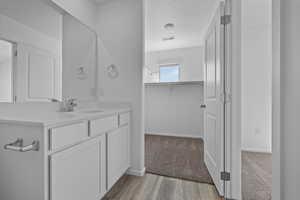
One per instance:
(67,135)
(124,118)
(103,125)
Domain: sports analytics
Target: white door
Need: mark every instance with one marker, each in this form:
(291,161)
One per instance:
(213,99)
(38,75)
(75,173)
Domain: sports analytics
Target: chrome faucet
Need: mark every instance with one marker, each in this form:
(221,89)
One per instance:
(68,105)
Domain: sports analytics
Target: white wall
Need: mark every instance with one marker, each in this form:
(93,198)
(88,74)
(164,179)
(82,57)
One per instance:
(120,29)
(34,14)
(31,23)
(233,161)
(190,59)
(79,50)
(29,27)
(83,10)
(174,110)
(256,75)
(290,99)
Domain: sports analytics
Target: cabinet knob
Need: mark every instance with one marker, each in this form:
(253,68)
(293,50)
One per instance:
(203,106)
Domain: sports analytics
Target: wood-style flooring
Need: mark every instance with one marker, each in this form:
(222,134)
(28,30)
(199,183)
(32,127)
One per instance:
(154,187)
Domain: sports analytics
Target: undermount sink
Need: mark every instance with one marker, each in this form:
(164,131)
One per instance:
(90,111)
(60,115)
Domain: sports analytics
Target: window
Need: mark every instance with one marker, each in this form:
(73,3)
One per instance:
(169,73)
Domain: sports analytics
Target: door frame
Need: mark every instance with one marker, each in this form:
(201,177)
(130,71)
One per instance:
(234,186)
(228,89)
(276,102)
(233,113)
(14,72)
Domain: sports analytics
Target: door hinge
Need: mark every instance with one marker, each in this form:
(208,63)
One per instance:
(16,53)
(225,19)
(226,98)
(225,176)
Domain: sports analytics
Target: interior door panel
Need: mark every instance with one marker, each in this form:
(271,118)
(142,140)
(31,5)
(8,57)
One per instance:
(213,93)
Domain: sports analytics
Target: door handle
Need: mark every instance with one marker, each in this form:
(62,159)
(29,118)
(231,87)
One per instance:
(203,106)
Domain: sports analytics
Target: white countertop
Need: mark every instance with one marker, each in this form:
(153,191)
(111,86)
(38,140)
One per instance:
(53,118)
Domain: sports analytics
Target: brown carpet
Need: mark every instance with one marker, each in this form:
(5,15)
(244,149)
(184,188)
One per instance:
(176,157)
(256,176)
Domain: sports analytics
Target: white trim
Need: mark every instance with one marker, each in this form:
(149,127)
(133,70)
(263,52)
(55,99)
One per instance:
(142,128)
(256,150)
(233,191)
(135,172)
(276,101)
(173,135)
(228,193)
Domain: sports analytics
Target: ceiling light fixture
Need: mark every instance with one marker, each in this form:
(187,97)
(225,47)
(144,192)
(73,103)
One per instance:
(168,38)
(169,26)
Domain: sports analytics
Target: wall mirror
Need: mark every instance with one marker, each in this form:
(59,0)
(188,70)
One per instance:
(45,54)
(79,59)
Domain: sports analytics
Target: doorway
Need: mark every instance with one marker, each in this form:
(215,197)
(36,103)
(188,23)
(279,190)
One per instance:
(179,74)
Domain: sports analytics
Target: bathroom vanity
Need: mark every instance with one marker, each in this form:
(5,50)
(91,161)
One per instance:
(44,154)
(63,156)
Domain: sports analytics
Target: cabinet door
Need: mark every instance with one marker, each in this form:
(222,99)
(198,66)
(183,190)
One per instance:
(102,170)
(117,155)
(75,172)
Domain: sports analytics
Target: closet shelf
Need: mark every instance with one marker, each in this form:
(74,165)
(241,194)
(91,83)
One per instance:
(174,83)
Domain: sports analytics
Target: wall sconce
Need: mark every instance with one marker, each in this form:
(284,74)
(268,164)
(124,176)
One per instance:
(112,71)
(82,73)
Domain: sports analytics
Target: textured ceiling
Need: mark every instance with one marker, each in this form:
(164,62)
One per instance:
(191,18)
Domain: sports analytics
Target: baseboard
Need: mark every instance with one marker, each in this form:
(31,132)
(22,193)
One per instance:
(173,135)
(135,172)
(254,150)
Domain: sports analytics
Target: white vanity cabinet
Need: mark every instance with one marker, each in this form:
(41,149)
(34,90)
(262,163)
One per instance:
(75,160)
(79,172)
(75,172)
(117,144)
(117,154)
